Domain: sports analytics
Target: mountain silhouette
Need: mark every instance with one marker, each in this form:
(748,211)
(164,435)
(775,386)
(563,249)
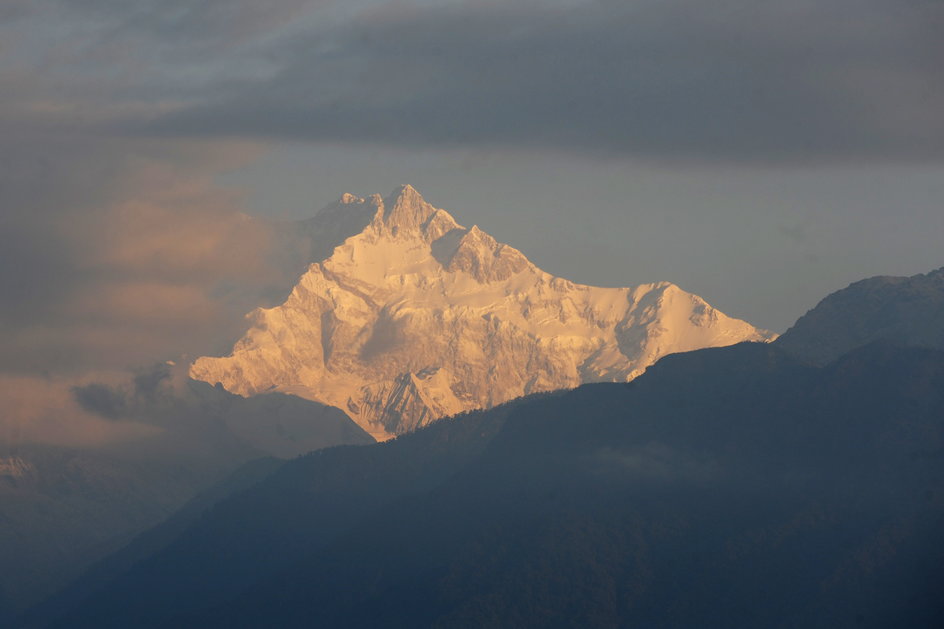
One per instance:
(735,487)
(903,310)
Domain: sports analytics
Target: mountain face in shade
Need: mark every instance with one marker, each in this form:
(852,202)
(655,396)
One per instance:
(727,487)
(407,316)
(903,310)
(63,508)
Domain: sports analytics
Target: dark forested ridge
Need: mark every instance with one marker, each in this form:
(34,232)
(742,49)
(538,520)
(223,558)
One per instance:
(151,541)
(306,504)
(902,310)
(730,487)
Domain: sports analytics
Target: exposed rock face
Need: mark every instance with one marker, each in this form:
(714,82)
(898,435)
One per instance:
(410,317)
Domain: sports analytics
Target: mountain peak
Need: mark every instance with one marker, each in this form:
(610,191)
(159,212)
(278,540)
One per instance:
(405,211)
(408,193)
(902,310)
(406,208)
(481,256)
(406,291)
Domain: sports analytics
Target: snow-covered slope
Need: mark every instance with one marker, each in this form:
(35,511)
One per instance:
(409,316)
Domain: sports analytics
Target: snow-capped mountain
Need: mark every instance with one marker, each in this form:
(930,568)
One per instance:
(408,316)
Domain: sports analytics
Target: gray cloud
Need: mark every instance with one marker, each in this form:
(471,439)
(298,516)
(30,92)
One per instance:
(14,9)
(204,24)
(101,399)
(44,411)
(133,397)
(115,253)
(735,80)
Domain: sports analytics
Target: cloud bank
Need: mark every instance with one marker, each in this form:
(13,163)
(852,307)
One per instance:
(736,81)
(115,254)
(40,411)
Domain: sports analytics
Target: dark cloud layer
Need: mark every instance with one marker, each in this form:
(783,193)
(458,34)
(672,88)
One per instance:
(735,80)
(201,24)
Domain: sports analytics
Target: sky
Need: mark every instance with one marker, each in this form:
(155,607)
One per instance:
(758,153)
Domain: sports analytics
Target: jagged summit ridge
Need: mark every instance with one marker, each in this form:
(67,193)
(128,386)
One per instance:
(405,214)
(404,209)
(405,316)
